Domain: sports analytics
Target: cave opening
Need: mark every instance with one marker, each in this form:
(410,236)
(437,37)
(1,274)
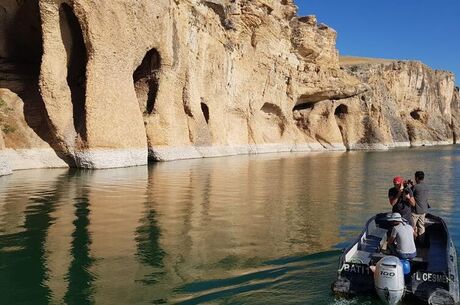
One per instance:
(272,109)
(21,51)
(146,82)
(304,106)
(205,110)
(77,59)
(341,111)
(416,114)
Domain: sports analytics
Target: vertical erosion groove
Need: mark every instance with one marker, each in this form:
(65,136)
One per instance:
(146,81)
(205,110)
(77,59)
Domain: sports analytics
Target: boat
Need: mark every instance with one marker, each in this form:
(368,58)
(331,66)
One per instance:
(366,267)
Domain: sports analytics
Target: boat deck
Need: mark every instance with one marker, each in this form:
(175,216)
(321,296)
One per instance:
(372,247)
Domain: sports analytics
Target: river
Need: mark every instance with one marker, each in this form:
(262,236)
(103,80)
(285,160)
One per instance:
(264,229)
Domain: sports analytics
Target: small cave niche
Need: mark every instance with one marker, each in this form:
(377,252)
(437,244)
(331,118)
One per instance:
(416,114)
(77,59)
(21,50)
(304,106)
(146,82)
(300,113)
(272,109)
(205,110)
(274,115)
(341,111)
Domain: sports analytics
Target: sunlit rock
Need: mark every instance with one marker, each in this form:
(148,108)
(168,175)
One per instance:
(409,104)
(107,85)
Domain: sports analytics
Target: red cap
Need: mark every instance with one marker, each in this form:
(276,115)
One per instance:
(398,180)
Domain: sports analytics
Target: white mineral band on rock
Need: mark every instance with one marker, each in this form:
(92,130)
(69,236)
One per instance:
(111,158)
(5,168)
(167,153)
(33,158)
(432,143)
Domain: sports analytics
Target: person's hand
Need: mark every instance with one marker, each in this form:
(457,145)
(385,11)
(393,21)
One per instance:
(407,196)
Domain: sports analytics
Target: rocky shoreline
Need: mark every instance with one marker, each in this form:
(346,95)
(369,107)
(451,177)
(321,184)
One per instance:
(23,159)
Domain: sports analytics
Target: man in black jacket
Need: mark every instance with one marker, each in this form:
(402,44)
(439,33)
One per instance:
(401,199)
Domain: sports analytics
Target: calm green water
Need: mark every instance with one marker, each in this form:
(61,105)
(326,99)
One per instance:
(239,230)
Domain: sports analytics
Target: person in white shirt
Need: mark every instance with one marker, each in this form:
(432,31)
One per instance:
(401,240)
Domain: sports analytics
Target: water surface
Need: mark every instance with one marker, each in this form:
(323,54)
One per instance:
(262,229)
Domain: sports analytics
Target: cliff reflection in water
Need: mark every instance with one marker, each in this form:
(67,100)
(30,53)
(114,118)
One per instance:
(137,235)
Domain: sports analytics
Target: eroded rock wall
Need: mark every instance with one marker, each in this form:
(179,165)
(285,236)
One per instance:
(231,79)
(409,104)
(100,84)
(179,79)
(456,115)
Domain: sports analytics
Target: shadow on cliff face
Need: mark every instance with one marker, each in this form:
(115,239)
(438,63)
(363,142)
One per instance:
(20,61)
(77,59)
(340,114)
(146,81)
(146,84)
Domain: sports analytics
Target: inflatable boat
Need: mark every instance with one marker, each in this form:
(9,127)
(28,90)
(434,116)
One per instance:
(431,277)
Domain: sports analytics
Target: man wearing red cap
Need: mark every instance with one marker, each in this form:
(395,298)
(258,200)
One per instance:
(401,199)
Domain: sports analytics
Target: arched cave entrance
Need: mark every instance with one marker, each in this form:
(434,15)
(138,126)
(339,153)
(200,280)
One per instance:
(340,114)
(146,83)
(21,52)
(300,113)
(77,59)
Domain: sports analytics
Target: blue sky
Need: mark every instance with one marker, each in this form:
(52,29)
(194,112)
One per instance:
(424,30)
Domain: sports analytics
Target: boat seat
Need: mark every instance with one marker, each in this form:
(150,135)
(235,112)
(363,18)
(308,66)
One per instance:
(369,244)
(373,240)
(360,257)
(376,232)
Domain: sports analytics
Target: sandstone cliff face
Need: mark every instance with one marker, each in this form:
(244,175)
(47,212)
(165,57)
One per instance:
(409,104)
(176,78)
(103,84)
(455,106)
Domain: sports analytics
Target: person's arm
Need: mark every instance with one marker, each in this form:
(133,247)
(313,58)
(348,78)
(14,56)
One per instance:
(394,199)
(411,200)
(409,196)
(390,240)
(392,237)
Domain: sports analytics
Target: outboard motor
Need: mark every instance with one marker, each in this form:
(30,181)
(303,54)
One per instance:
(389,280)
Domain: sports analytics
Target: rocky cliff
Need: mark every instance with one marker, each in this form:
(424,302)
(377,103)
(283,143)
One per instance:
(107,84)
(409,104)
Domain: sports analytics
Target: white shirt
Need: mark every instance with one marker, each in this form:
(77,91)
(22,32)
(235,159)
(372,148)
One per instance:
(404,235)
